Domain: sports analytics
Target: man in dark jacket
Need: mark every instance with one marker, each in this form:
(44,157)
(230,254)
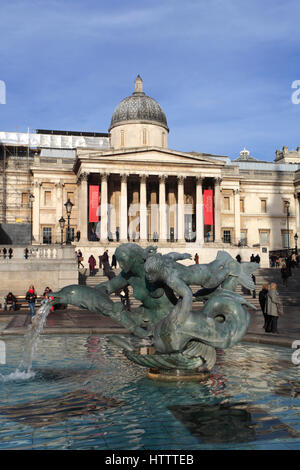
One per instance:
(10,300)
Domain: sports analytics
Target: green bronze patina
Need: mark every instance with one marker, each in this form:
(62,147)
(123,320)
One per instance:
(183,338)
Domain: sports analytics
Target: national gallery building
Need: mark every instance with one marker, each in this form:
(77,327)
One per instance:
(127,185)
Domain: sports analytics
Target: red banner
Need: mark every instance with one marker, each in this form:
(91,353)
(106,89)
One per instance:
(208,207)
(94,204)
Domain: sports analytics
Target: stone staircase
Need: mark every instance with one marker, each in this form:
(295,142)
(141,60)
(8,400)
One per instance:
(290,295)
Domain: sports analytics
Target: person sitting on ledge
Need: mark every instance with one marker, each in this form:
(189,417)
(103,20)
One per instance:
(10,300)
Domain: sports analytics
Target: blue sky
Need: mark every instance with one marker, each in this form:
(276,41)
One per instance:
(222,70)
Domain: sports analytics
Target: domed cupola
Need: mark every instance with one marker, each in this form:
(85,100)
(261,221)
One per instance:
(138,121)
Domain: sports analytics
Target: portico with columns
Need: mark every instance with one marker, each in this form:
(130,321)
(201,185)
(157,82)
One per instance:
(147,195)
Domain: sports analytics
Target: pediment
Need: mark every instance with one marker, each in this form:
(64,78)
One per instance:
(152,155)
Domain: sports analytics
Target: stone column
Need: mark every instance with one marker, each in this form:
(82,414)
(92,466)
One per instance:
(217,209)
(36,212)
(103,208)
(297,213)
(123,216)
(237,217)
(199,212)
(162,209)
(143,208)
(180,209)
(83,207)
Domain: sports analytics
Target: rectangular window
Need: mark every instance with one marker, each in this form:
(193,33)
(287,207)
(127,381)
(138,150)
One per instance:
(243,237)
(47,235)
(264,237)
(263,205)
(25,199)
(226,203)
(227,236)
(47,198)
(242,205)
(286,240)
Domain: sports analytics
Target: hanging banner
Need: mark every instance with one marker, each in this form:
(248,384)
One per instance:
(93,203)
(208,207)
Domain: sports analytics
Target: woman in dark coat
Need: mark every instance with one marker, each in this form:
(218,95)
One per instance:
(263,302)
(92,263)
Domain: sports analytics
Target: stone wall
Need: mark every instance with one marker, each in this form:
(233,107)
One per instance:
(51,266)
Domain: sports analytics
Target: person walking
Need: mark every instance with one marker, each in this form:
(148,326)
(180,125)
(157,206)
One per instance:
(284,274)
(254,290)
(31,299)
(263,302)
(79,259)
(113,261)
(238,258)
(92,264)
(196,258)
(105,262)
(274,309)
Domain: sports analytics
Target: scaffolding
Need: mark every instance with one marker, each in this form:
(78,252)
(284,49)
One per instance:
(15,161)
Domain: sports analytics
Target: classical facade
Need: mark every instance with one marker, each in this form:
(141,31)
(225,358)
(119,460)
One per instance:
(128,185)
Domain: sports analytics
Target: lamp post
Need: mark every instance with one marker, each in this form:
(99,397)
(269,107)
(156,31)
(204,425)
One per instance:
(68,205)
(62,226)
(287,203)
(31,199)
(296,239)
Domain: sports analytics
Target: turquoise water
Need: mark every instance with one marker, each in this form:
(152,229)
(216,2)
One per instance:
(84,394)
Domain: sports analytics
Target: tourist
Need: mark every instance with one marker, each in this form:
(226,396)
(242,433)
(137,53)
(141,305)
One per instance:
(238,258)
(31,299)
(263,302)
(277,262)
(92,264)
(284,274)
(4,252)
(10,253)
(114,261)
(254,282)
(274,309)
(207,237)
(46,297)
(78,235)
(105,261)
(252,258)
(288,263)
(117,235)
(196,258)
(26,251)
(10,300)
(79,258)
(257,259)
(124,294)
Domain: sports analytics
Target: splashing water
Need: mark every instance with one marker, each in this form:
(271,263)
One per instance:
(31,339)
